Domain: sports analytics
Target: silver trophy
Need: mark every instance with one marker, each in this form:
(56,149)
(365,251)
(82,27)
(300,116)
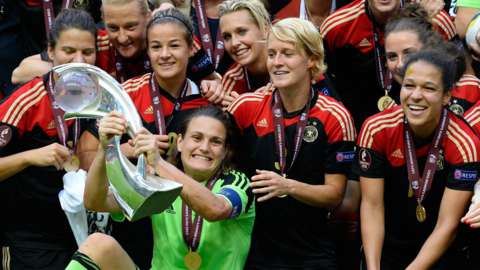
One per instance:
(85,91)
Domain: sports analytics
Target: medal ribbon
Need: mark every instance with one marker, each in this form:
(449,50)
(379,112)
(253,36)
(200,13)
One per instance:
(49,13)
(192,231)
(422,185)
(279,131)
(214,52)
(383,75)
(58,114)
(157,105)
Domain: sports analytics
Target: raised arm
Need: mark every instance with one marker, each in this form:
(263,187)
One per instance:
(204,202)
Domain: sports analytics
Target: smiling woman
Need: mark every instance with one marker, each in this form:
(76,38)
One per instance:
(300,145)
(33,151)
(410,218)
(208,227)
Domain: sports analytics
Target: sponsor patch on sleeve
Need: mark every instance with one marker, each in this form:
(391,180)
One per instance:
(345,156)
(5,135)
(465,175)
(364,159)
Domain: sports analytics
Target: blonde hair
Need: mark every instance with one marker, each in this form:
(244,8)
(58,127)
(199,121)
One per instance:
(306,37)
(142,4)
(256,9)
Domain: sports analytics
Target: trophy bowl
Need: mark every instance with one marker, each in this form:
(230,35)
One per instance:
(85,91)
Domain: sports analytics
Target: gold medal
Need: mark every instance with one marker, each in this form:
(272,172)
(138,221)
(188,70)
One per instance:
(410,191)
(421,213)
(72,164)
(192,260)
(384,102)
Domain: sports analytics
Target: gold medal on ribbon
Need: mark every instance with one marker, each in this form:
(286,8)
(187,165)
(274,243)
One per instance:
(72,164)
(410,191)
(421,213)
(192,260)
(384,102)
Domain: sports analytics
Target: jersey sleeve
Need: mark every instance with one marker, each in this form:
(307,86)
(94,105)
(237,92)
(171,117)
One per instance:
(237,191)
(199,65)
(369,159)
(463,177)
(243,109)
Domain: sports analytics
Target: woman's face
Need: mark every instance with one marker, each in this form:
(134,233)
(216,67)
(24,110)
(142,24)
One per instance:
(126,26)
(73,46)
(423,96)
(168,51)
(202,147)
(289,68)
(398,45)
(242,38)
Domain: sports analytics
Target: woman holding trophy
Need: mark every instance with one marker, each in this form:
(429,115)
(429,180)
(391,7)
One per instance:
(185,236)
(36,148)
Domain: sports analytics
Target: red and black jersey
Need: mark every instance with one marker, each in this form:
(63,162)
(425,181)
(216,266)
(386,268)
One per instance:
(288,233)
(465,93)
(349,44)
(381,154)
(139,90)
(32,213)
(199,65)
(472,116)
(235,79)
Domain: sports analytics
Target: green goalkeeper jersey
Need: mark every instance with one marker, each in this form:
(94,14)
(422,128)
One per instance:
(223,244)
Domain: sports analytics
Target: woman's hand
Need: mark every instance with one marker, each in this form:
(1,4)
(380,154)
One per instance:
(151,145)
(110,125)
(228,99)
(271,183)
(472,218)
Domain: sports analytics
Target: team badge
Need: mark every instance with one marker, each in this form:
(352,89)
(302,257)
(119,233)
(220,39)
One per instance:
(440,161)
(311,134)
(456,109)
(5,135)
(81,4)
(364,159)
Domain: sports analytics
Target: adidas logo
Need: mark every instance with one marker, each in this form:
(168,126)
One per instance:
(364,43)
(149,110)
(51,125)
(262,123)
(397,154)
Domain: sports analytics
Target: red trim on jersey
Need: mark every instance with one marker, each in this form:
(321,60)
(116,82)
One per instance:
(234,80)
(28,107)
(254,109)
(383,133)
(467,88)
(138,89)
(292,9)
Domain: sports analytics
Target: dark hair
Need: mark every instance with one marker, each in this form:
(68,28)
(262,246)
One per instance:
(231,139)
(413,18)
(457,54)
(436,58)
(173,15)
(68,19)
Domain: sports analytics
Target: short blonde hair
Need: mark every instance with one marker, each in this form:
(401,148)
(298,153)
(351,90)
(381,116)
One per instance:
(142,4)
(305,36)
(256,9)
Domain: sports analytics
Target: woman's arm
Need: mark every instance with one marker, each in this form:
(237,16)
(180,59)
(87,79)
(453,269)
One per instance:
(30,68)
(207,204)
(97,196)
(328,195)
(452,207)
(372,219)
(51,155)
